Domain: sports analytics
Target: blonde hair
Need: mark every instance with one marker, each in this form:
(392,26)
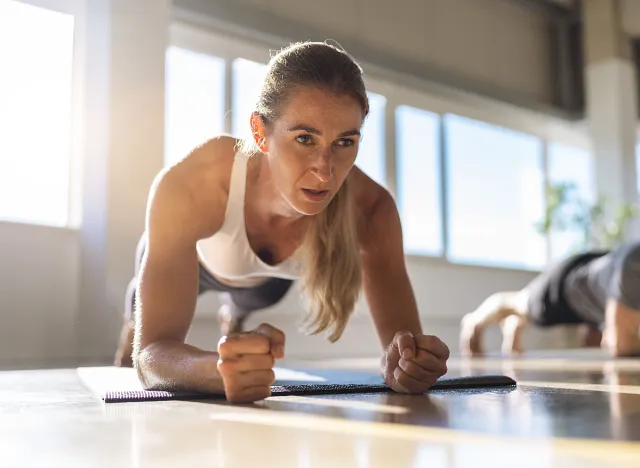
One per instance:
(332,279)
(333,275)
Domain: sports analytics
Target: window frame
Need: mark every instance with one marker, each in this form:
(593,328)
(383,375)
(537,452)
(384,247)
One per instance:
(636,155)
(70,7)
(217,44)
(514,264)
(441,252)
(77,9)
(376,86)
(441,101)
(167,101)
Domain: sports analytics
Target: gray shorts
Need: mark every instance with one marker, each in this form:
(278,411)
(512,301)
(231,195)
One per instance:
(245,299)
(615,275)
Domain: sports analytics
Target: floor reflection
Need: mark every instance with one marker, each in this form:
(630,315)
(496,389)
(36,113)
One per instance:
(560,415)
(586,398)
(240,437)
(593,402)
(375,407)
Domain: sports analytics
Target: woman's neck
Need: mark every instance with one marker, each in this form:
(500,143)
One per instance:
(266,202)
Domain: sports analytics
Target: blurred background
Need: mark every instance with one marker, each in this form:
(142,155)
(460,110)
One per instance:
(505,129)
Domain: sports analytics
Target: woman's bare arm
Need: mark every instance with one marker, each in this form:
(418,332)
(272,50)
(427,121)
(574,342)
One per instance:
(387,287)
(412,361)
(168,281)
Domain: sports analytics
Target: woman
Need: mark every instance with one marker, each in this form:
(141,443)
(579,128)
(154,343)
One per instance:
(247,218)
(598,290)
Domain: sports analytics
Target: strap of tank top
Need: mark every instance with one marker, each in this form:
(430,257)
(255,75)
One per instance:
(237,183)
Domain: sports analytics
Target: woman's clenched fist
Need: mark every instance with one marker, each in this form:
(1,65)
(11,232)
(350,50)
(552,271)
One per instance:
(246,362)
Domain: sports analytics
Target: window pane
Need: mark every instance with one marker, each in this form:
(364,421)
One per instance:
(371,153)
(568,165)
(194,101)
(638,167)
(418,166)
(36,53)
(248,77)
(495,195)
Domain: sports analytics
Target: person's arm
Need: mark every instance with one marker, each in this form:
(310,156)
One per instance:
(168,289)
(411,362)
(386,283)
(621,335)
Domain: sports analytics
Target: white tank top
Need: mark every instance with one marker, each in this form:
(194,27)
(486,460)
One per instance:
(228,254)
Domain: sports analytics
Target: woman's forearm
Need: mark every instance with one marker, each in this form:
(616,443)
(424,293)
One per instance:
(176,366)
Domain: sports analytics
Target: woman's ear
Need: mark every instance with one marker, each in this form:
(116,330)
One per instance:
(258,131)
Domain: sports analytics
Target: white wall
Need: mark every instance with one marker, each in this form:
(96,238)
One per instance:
(39,278)
(61,291)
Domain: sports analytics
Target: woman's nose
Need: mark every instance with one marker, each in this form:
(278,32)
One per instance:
(322,166)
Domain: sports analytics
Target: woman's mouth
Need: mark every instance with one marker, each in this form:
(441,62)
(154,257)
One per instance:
(316,195)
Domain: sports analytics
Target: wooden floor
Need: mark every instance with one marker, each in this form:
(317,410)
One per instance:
(577,409)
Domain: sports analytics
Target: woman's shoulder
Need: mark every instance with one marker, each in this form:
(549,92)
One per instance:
(208,159)
(369,196)
(199,182)
(375,206)
(205,167)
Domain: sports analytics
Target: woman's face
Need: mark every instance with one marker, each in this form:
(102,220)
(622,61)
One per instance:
(312,147)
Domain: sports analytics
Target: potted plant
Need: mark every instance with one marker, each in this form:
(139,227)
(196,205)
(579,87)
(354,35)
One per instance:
(602,224)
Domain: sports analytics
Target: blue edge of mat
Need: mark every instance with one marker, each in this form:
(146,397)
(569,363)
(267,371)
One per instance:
(483,381)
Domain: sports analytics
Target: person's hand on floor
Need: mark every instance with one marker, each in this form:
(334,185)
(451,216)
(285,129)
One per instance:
(246,363)
(413,363)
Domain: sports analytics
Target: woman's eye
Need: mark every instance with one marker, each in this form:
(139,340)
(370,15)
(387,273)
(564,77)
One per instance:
(346,142)
(304,139)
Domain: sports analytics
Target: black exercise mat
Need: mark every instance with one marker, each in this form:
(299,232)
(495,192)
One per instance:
(310,389)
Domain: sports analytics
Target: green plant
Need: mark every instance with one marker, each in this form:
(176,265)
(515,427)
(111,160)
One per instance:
(601,224)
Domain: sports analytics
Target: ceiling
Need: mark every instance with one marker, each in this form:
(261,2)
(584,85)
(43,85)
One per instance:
(556,9)
(565,3)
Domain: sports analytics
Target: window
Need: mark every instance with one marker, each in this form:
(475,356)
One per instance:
(371,152)
(638,168)
(248,77)
(418,173)
(495,195)
(569,165)
(195,87)
(36,84)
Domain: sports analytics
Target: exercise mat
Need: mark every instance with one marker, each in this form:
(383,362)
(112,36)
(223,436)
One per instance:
(116,385)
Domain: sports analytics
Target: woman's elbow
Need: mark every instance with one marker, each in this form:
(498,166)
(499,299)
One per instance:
(143,364)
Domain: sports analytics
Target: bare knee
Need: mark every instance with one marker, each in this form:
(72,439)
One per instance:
(503,304)
(628,276)
(622,330)
(618,350)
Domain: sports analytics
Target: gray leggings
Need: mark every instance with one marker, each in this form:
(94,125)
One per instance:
(244,299)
